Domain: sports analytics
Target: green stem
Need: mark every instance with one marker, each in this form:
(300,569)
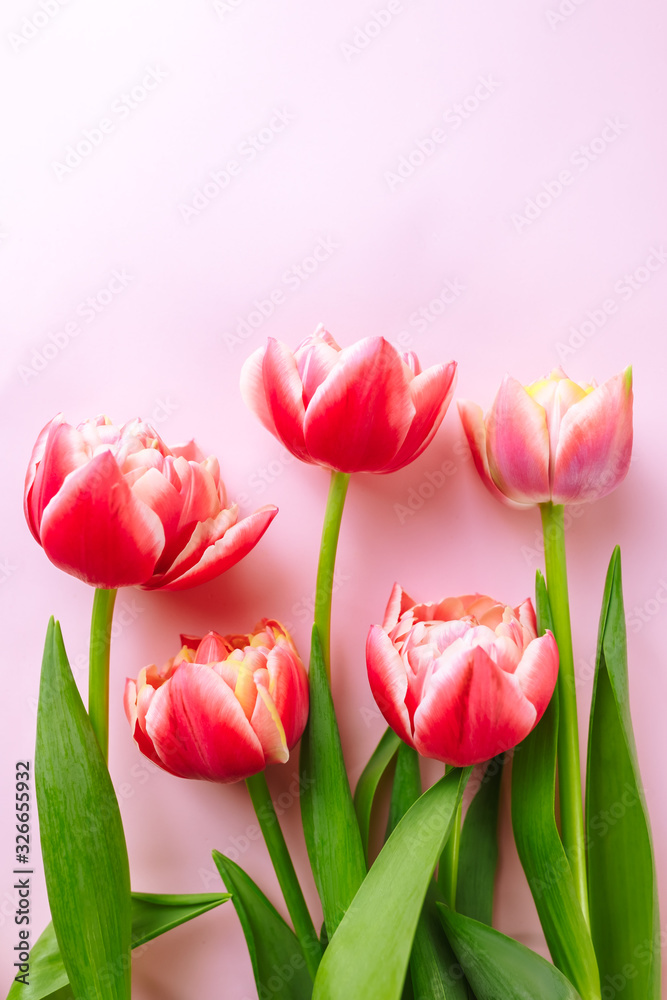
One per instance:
(448,867)
(569,768)
(282,863)
(98,666)
(325,568)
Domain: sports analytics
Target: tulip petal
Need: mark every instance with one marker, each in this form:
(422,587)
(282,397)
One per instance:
(157,493)
(199,729)
(315,360)
(190,451)
(518,444)
(359,416)
(289,690)
(269,729)
(219,556)
(537,672)
(144,743)
(35,458)
(95,529)
(199,493)
(471,711)
(388,681)
(64,451)
(284,397)
(595,443)
(253,392)
(398,603)
(431,393)
(472,419)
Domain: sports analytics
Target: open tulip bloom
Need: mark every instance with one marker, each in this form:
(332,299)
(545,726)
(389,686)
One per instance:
(116,507)
(364,408)
(467,681)
(461,680)
(224,707)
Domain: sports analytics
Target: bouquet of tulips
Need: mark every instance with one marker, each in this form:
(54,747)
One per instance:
(467,680)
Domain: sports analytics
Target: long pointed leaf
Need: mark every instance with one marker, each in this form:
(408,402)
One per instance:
(151,915)
(432,959)
(369,953)
(278,962)
(498,967)
(622,878)
(330,824)
(83,845)
(540,848)
(478,853)
(433,966)
(364,794)
(407,786)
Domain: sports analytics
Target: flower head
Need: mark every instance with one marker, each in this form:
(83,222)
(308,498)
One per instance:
(463,679)
(364,408)
(224,707)
(553,440)
(116,507)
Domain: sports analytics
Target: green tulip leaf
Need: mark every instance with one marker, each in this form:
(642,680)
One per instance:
(539,845)
(329,821)
(368,782)
(498,967)
(432,959)
(478,851)
(407,786)
(83,845)
(622,877)
(152,915)
(278,962)
(369,953)
(435,971)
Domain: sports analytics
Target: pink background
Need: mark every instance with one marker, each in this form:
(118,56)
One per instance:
(565,110)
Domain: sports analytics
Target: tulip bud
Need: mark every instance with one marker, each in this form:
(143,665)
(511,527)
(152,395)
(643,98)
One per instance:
(553,440)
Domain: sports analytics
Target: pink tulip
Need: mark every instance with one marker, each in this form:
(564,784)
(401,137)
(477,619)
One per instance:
(117,508)
(364,408)
(462,680)
(553,440)
(224,707)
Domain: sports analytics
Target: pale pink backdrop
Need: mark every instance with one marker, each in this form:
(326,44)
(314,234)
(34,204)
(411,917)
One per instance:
(472,180)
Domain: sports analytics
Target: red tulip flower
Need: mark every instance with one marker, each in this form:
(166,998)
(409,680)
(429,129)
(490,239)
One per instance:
(461,680)
(365,408)
(553,440)
(224,707)
(115,507)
